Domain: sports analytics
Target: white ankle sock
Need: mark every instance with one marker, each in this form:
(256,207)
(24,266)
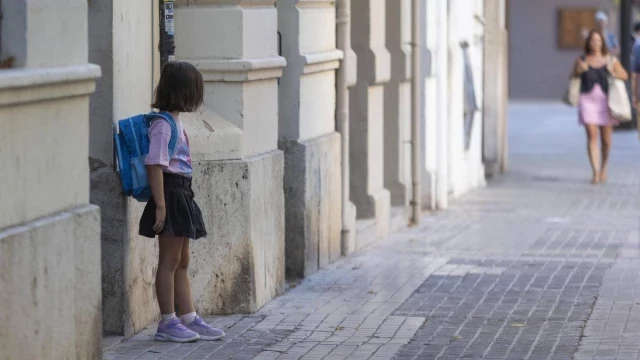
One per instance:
(168,317)
(188,318)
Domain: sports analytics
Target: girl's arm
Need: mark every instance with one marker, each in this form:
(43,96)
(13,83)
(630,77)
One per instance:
(156,183)
(157,159)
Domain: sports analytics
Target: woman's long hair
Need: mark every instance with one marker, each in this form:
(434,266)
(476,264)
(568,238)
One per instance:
(587,45)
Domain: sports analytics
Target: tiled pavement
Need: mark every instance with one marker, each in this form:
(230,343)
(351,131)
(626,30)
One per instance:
(539,265)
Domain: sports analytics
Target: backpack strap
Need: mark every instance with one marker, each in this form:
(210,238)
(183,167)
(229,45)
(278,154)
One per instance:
(173,140)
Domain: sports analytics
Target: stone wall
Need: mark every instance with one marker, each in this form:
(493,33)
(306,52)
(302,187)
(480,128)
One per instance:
(49,234)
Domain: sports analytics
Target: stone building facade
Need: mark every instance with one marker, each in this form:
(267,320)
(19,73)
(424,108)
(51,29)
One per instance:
(302,150)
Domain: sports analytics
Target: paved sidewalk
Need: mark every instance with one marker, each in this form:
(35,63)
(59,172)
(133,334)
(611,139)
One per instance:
(539,265)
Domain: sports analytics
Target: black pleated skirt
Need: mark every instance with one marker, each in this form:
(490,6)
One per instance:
(184,217)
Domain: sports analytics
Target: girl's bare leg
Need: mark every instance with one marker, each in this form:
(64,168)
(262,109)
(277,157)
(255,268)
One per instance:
(168,263)
(182,282)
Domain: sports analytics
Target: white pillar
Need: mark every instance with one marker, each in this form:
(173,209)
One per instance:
(431,103)
(307,103)
(495,96)
(346,76)
(458,24)
(442,75)
(49,233)
(397,104)
(367,113)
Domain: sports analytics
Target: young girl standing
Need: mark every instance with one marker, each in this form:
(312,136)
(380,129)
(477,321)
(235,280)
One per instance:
(172,214)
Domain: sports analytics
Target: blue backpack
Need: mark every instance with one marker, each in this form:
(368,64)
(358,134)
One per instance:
(131,138)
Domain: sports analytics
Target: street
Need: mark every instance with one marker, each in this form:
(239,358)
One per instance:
(539,265)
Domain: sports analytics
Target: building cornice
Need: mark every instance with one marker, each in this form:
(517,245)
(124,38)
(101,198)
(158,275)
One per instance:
(323,61)
(28,85)
(240,70)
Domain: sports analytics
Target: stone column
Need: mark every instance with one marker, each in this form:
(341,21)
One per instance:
(430,109)
(125,55)
(307,103)
(367,113)
(49,233)
(442,113)
(397,104)
(241,264)
(495,96)
(346,76)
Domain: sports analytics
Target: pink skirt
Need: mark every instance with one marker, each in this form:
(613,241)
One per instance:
(593,108)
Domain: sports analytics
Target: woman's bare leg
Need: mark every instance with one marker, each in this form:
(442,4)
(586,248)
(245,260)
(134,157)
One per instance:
(182,282)
(593,151)
(605,138)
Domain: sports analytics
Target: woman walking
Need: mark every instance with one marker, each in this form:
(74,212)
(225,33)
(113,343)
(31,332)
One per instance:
(594,69)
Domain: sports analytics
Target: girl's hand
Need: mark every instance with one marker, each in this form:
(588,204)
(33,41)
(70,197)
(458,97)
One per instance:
(161,215)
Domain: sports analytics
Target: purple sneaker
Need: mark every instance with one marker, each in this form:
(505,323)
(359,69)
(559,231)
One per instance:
(205,331)
(176,332)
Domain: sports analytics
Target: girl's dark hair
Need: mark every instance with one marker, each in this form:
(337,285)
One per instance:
(180,88)
(587,44)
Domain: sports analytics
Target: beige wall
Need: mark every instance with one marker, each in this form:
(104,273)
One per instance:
(538,68)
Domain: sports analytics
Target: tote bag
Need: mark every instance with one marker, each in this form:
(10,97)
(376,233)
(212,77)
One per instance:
(619,104)
(572,94)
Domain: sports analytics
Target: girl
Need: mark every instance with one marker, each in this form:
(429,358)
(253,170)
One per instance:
(172,213)
(594,68)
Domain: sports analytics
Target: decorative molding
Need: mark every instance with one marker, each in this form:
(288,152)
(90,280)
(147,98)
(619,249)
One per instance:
(240,70)
(25,85)
(306,4)
(240,3)
(323,61)
(212,137)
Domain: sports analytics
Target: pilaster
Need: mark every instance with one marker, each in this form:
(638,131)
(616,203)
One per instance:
(397,104)
(307,103)
(367,113)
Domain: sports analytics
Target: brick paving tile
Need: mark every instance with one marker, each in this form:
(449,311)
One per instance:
(538,265)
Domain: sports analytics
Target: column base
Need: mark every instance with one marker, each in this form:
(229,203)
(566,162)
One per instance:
(379,226)
(313,204)
(239,266)
(349,244)
(51,285)
(428,190)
